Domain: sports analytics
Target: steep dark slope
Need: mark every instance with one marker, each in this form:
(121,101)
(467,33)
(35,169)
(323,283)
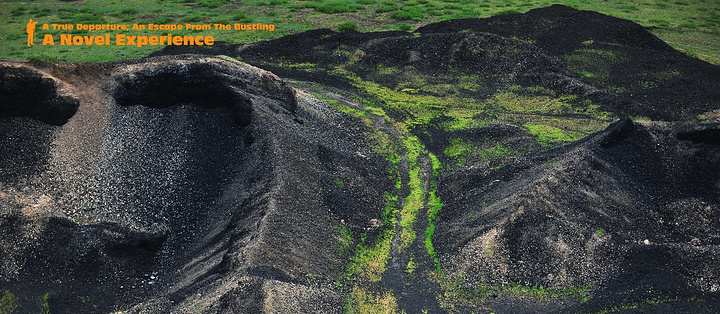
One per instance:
(24,145)
(632,212)
(179,175)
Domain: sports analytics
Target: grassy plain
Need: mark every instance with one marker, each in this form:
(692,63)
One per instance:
(692,26)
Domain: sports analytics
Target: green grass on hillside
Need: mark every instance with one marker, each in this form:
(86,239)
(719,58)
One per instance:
(692,26)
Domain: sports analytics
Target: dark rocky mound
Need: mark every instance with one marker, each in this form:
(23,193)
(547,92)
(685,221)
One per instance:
(557,28)
(494,63)
(305,46)
(181,183)
(27,129)
(632,212)
(497,59)
(667,84)
(21,85)
(611,61)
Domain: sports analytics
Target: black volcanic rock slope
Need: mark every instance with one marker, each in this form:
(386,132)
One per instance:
(481,165)
(638,65)
(631,71)
(631,211)
(180,175)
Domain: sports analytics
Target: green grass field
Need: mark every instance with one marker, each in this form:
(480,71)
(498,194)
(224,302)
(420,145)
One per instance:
(692,26)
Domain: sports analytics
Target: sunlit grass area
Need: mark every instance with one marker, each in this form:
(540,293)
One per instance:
(691,26)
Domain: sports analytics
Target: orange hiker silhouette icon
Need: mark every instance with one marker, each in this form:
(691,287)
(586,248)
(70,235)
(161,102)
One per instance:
(31,32)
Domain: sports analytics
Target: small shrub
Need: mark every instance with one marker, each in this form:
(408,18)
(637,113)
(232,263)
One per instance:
(89,18)
(36,12)
(408,14)
(405,27)
(44,304)
(212,3)
(628,8)
(433,12)
(600,232)
(347,26)
(462,151)
(162,20)
(411,265)
(386,8)
(191,18)
(551,163)
(660,22)
(548,135)
(128,11)
(338,182)
(8,302)
(339,7)
(463,14)
(310,5)
(17,11)
(242,17)
(345,238)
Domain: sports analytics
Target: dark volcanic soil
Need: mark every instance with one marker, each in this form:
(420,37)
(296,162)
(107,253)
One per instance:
(633,210)
(190,183)
(635,66)
(631,72)
(175,176)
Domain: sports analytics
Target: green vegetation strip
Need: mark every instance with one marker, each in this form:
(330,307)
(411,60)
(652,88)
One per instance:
(416,199)
(434,207)
(637,305)
(553,119)
(418,111)
(462,151)
(455,293)
(435,204)
(369,261)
